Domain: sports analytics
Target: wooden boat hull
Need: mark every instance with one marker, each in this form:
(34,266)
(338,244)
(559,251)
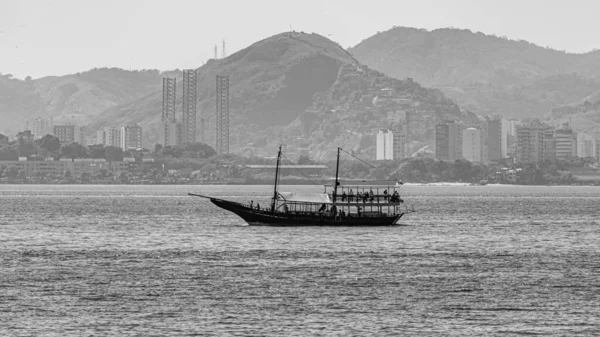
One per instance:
(267,218)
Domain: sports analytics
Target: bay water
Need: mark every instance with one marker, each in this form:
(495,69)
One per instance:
(83,260)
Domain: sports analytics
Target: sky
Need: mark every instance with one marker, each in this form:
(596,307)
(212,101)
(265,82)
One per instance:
(55,37)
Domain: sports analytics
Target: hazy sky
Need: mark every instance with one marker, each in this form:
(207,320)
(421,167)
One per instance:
(56,37)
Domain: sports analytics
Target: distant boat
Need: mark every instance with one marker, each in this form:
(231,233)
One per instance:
(356,204)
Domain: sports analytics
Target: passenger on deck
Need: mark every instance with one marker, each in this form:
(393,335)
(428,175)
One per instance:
(323,208)
(285,208)
(365,197)
(344,196)
(258,206)
(395,197)
(385,195)
(334,210)
(371,196)
(251,203)
(350,196)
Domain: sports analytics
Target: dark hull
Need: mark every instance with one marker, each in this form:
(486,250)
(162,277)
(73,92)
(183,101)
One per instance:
(267,218)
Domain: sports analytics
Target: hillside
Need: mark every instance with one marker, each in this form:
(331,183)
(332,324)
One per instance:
(275,81)
(74,98)
(485,73)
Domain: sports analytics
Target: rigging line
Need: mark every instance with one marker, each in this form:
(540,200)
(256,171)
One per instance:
(377,168)
(286,158)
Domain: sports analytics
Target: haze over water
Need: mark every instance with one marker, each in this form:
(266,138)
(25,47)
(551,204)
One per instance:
(149,260)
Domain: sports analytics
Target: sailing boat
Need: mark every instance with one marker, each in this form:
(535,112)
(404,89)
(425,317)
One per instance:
(339,205)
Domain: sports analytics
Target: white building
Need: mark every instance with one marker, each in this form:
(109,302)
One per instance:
(385,145)
(586,145)
(471,145)
(42,127)
(131,137)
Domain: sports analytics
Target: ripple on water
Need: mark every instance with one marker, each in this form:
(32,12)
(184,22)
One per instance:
(145,260)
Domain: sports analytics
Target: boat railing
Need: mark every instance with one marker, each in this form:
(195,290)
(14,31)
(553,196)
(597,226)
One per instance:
(377,198)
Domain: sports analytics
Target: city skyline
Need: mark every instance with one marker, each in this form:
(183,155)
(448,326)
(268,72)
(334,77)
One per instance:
(44,38)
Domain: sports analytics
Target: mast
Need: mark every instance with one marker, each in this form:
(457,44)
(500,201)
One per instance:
(276,180)
(337,170)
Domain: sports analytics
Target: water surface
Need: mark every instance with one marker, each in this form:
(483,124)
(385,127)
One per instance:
(149,260)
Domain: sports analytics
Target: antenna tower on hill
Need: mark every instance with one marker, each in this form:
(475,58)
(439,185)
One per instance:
(223,52)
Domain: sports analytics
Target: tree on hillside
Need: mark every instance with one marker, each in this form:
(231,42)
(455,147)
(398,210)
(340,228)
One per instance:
(97,151)
(8,151)
(3,138)
(173,151)
(73,150)
(26,149)
(198,150)
(113,153)
(49,142)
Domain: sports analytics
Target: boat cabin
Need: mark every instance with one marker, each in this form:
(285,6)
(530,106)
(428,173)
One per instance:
(349,201)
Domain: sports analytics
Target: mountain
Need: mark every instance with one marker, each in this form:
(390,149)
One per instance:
(482,72)
(295,86)
(71,98)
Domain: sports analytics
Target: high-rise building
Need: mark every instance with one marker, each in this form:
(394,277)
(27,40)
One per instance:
(399,122)
(448,141)
(586,145)
(222,116)
(189,105)
(68,133)
(42,127)
(399,145)
(202,130)
(472,147)
(101,137)
(385,145)
(530,141)
(113,136)
(597,152)
(496,139)
(566,142)
(168,101)
(172,134)
(549,144)
(131,137)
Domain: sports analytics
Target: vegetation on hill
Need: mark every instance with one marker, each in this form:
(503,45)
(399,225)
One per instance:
(71,98)
(295,86)
(483,72)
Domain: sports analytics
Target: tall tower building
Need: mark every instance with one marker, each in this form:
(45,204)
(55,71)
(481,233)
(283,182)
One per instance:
(168,101)
(67,133)
(472,145)
(586,146)
(495,144)
(202,138)
(530,141)
(222,117)
(131,137)
(42,127)
(566,142)
(189,105)
(448,141)
(385,145)
(172,134)
(112,137)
